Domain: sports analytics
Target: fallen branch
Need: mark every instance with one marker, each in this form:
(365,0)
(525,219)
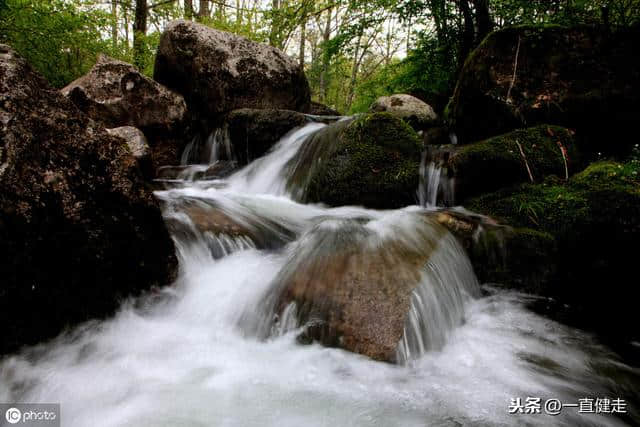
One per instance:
(526,163)
(515,68)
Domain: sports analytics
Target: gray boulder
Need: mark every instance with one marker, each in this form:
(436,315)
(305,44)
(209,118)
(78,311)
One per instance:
(417,113)
(218,72)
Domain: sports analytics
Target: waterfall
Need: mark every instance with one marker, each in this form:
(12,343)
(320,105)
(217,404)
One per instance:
(436,187)
(223,345)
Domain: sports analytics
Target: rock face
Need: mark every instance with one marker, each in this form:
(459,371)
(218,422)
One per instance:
(253,132)
(218,72)
(417,113)
(117,94)
(574,77)
(138,146)
(371,161)
(520,156)
(79,229)
(594,222)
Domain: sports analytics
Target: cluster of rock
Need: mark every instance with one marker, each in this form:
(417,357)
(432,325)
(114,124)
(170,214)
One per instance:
(79,227)
(530,110)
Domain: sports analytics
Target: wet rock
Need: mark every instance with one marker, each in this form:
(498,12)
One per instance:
(253,132)
(417,113)
(137,143)
(219,169)
(218,72)
(579,78)
(116,94)
(371,161)
(520,258)
(521,156)
(226,226)
(79,228)
(595,222)
(318,109)
(351,288)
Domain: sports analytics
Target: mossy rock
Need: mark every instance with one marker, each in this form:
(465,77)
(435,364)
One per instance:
(371,161)
(595,221)
(577,77)
(520,258)
(512,158)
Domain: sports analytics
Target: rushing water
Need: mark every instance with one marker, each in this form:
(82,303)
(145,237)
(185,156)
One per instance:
(193,354)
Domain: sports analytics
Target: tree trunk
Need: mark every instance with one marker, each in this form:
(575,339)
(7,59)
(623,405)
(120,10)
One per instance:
(325,58)
(139,32)
(188,9)
(303,40)
(467,32)
(203,11)
(114,23)
(483,19)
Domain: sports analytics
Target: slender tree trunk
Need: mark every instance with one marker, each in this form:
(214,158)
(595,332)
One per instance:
(114,23)
(467,31)
(483,18)
(325,58)
(188,9)
(139,32)
(303,40)
(203,11)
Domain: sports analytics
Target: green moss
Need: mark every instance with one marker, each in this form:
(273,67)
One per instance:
(595,221)
(515,257)
(375,163)
(498,162)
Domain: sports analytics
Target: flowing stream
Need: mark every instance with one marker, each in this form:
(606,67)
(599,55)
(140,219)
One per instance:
(214,350)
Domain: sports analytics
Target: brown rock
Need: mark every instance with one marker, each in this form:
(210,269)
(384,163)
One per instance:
(116,94)
(79,229)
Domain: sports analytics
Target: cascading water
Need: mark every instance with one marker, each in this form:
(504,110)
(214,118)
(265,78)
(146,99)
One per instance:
(215,349)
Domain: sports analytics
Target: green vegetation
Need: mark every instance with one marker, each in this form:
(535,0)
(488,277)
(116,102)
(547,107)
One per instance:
(352,50)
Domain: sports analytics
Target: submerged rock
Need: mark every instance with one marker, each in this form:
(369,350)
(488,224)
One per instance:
(137,143)
(353,286)
(79,229)
(218,72)
(521,156)
(578,77)
(417,113)
(253,132)
(371,161)
(116,94)
(226,227)
(594,220)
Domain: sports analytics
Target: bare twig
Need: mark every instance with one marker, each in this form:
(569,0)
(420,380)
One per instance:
(515,67)
(526,163)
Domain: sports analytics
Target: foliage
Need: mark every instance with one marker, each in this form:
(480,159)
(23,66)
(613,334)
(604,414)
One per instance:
(59,39)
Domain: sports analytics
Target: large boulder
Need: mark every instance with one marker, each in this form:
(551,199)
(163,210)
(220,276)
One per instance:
(79,228)
(218,72)
(526,155)
(371,161)
(594,223)
(116,94)
(417,113)
(579,77)
(351,285)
